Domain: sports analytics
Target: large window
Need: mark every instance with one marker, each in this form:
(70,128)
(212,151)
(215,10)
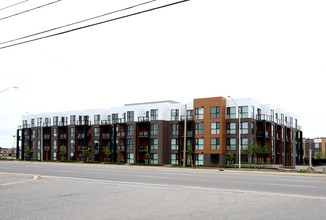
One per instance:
(97,119)
(199,145)
(55,144)
(174,144)
(215,112)
(174,159)
(96,144)
(54,155)
(199,159)
(252,112)
(55,132)
(130,158)
(174,129)
(215,128)
(231,144)
(115,118)
(39,122)
(154,114)
(154,129)
(72,132)
(154,144)
(55,121)
(72,144)
(215,143)
(130,143)
(199,128)
(72,119)
(231,128)
(154,158)
(130,130)
(130,116)
(96,132)
(244,111)
(174,114)
(199,113)
(244,143)
(244,127)
(231,112)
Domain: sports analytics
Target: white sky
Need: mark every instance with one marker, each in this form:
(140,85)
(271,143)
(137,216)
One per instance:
(273,51)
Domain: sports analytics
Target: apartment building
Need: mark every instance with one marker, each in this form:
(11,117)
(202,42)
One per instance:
(158,128)
(316,145)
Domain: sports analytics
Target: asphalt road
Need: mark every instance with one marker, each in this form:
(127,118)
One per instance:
(86,191)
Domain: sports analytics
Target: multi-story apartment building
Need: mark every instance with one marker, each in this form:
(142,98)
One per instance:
(316,145)
(158,128)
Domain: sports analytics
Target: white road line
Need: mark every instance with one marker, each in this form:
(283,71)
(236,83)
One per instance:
(160,177)
(23,181)
(296,180)
(220,190)
(290,185)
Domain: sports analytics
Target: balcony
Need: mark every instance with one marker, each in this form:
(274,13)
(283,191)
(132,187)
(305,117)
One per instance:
(106,136)
(121,148)
(46,148)
(63,123)
(142,148)
(80,148)
(121,134)
(143,134)
(83,122)
(47,124)
(27,137)
(189,117)
(80,136)
(263,117)
(46,137)
(189,134)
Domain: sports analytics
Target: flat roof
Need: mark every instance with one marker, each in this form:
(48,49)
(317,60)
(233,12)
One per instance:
(155,102)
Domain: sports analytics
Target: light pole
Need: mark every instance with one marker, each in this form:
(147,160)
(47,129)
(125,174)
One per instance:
(238,131)
(12,87)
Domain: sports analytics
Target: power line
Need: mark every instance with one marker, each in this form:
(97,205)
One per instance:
(18,3)
(88,19)
(32,9)
(95,24)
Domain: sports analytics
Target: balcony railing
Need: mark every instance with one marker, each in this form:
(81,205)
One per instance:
(47,124)
(121,148)
(63,136)
(105,122)
(121,134)
(189,117)
(143,119)
(47,148)
(142,148)
(143,134)
(46,136)
(80,136)
(106,136)
(189,133)
(63,123)
(83,122)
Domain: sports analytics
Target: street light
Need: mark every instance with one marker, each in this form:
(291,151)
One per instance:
(239,130)
(12,87)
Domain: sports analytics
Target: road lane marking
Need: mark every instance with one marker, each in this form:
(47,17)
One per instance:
(290,185)
(160,177)
(295,180)
(23,181)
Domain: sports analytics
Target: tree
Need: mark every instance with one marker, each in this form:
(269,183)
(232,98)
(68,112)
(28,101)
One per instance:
(230,157)
(318,155)
(28,153)
(107,152)
(85,153)
(266,150)
(63,152)
(190,152)
(256,150)
(147,157)
(248,151)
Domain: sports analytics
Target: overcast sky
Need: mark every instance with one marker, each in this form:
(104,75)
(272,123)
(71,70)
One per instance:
(273,51)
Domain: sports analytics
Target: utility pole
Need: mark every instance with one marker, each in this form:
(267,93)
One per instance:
(185,138)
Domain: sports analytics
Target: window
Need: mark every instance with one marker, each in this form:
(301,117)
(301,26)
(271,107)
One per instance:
(54,155)
(96,144)
(130,116)
(215,143)
(72,132)
(154,114)
(231,128)
(55,144)
(154,144)
(215,112)
(38,144)
(317,145)
(174,114)
(97,119)
(231,112)
(55,121)
(96,132)
(174,144)
(244,127)
(109,119)
(72,119)
(215,128)
(174,129)
(253,128)
(199,145)
(199,128)
(199,113)
(38,133)
(272,115)
(244,143)
(244,111)
(199,159)
(33,122)
(174,159)
(55,132)
(115,118)
(154,129)
(231,144)
(252,112)
(130,158)
(190,115)
(130,143)
(72,155)
(72,144)
(154,158)
(130,131)
(33,134)
(39,122)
